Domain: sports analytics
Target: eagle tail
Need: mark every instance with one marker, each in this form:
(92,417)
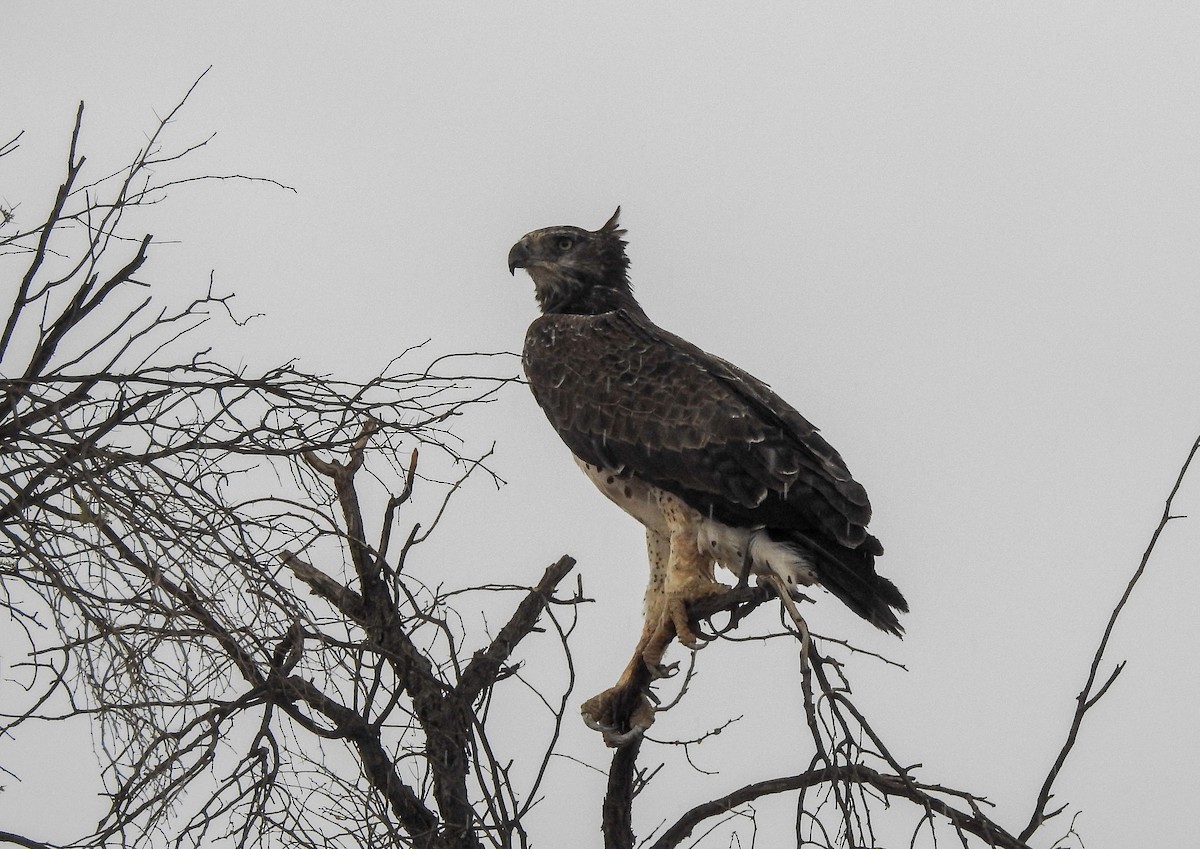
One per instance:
(850,575)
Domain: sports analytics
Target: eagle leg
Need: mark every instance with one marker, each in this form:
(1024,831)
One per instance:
(624,711)
(679,575)
(688,578)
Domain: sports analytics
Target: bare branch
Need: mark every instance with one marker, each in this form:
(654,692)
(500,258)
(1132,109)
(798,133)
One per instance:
(481,672)
(9,837)
(12,144)
(21,300)
(890,785)
(1086,699)
(184,549)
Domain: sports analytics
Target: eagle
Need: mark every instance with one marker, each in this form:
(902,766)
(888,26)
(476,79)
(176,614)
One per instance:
(718,468)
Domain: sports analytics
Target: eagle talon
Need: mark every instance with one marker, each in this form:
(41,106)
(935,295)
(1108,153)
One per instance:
(618,741)
(615,709)
(597,725)
(662,670)
(613,738)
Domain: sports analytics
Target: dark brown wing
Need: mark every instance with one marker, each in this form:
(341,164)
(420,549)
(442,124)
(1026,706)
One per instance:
(625,394)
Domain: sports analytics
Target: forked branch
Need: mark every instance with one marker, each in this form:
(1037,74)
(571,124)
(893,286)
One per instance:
(1090,694)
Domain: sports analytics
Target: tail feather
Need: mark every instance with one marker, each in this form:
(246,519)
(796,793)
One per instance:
(850,575)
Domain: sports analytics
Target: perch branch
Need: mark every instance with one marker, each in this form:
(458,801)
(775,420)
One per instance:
(890,785)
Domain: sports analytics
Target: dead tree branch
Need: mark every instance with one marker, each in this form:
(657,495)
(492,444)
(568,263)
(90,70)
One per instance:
(186,552)
(1090,694)
(149,494)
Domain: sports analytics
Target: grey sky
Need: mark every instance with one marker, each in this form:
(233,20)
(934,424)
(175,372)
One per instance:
(961,238)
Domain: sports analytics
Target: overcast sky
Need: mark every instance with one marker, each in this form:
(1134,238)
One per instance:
(961,238)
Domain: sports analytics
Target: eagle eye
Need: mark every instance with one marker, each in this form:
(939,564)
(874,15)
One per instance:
(564,243)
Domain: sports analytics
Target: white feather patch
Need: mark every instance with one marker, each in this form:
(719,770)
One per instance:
(729,547)
(725,544)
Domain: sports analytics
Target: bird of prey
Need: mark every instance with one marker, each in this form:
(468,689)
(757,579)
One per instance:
(717,467)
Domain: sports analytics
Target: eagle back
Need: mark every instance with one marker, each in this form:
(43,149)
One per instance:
(625,395)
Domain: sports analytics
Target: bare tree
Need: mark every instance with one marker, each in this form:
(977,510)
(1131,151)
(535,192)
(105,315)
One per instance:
(193,535)
(218,568)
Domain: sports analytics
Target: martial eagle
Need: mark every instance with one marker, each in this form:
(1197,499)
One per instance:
(718,468)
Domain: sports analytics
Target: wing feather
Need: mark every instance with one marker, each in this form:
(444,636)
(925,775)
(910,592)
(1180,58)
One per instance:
(625,394)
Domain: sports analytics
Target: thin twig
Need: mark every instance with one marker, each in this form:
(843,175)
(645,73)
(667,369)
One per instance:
(1085,700)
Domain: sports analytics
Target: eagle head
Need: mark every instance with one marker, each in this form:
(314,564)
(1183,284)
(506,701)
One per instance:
(576,270)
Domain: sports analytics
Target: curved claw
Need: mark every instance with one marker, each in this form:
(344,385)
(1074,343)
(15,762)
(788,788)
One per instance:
(706,638)
(613,738)
(662,670)
(610,711)
(616,741)
(597,725)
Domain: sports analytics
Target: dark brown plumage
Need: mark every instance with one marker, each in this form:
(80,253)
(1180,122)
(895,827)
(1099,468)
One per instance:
(629,397)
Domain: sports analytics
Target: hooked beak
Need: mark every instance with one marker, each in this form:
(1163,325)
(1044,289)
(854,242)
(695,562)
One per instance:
(518,256)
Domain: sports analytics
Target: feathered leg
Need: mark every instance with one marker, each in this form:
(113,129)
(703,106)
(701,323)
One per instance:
(679,574)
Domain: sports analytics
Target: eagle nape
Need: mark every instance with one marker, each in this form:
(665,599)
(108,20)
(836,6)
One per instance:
(718,468)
